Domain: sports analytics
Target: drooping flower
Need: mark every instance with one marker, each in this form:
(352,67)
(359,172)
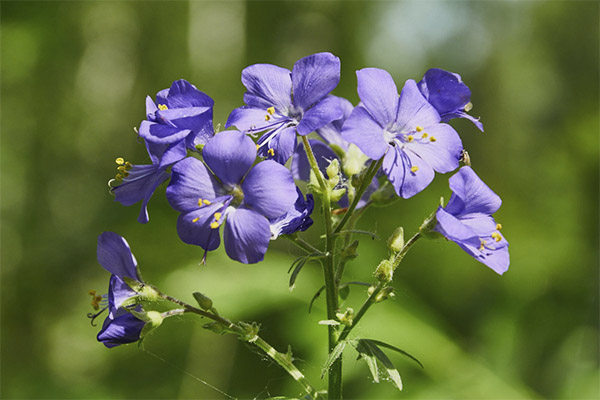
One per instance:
(404,129)
(467,220)
(282,103)
(231,191)
(297,219)
(182,119)
(448,94)
(122,328)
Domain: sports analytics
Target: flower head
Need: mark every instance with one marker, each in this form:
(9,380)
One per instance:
(297,219)
(228,189)
(448,94)
(467,220)
(404,129)
(282,103)
(122,328)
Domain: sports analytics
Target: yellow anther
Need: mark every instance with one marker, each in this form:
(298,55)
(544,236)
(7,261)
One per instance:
(267,117)
(257,147)
(482,245)
(433,139)
(119,177)
(468,107)
(128,165)
(125,174)
(214,225)
(424,135)
(218,215)
(120,161)
(200,202)
(207,202)
(196,219)
(419,128)
(271,110)
(410,138)
(414,168)
(497,237)
(498,227)
(163,107)
(271,152)
(92,292)
(122,168)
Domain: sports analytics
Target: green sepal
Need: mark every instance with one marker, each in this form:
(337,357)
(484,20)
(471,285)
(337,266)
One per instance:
(337,194)
(134,284)
(203,301)
(384,196)
(385,271)
(350,251)
(396,241)
(341,153)
(250,331)
(385,293)
(153,320)
(346,317)
(426,228)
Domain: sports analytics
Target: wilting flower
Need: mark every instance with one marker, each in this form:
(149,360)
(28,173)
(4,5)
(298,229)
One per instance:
(284,103)
(448,94)
(231,191)
(182,119)
(467,220)
(406,130)
(297,219)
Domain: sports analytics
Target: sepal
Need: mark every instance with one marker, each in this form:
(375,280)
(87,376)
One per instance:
(203,301)
(396,241)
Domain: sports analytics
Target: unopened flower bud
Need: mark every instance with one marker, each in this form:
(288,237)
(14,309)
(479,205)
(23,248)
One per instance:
(347,317)
(396,241)
(203,301)
(384,271)
(386,293)
(333,169)
(354,161)
(337,194)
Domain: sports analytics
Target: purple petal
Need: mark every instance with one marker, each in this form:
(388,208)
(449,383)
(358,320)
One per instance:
(246,236)
(297,218)
(322,113)
(269,189)
(150,108)
(443,154)
(414,110)
(444,90)
(162,134)
(191,181)
(248,119)
(462,114)
(194,227)
(453,229)
(118,293)
(115,256)
(173,153)
(300,166)
(123,329)
(378,94)
(268,86)
(474,195)
(183,94)
(332,132)
(362,130)
(283,144)
(140,184)
(314,77)
(229,155)
(407,182)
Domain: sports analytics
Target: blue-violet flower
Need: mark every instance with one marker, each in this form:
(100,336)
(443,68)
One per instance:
(297,219)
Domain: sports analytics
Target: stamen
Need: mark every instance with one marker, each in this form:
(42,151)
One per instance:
(498,227)
(207,202)
(218,215)
(419,128)
(128,165)
(120,161)
(433,139)
(257,147)
(118,177)
(410,138)
(468,106)
(414,169)
(271,110)
(497,237)
(424,135)
(267,117)
(95,299)
(271,152)
(200,202)
(482,247)
(162,107)
(214,225)
(196,219)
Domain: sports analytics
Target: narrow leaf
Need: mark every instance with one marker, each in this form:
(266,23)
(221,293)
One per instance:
(404,353)
(334,355)
(387,363)
(315,297)
(372,234)
(366,353)
(331,322)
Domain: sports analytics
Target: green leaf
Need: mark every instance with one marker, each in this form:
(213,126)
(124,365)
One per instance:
(297,267)
(383,359)
(334,355)
(344,291)
(404,353)
(366,353)
(315,297)
(372,234)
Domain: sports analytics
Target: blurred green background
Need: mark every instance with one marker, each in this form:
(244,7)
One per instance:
(73,81)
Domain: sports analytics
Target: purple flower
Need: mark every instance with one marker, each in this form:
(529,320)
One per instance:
(448,94)
(467,220)
(296,219)
(231,191)
(332,132)
(182,119)
(284,103)
(123,328)
(406,130)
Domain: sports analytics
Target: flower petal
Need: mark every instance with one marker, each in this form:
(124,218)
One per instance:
(322,113)
(283,144)
(362,130)
(248,119)
(444,90)
(378,94)
(183,94)
(297,218)
(300,166)
(191,181)
(314,77)
(246,236)
(162,134)
(194,227)
(443,154)
(229,155)
(475,195)
(398,165)
(269,189)
(115,256)
(125,328)
(118,293)
(414,110)
(268,86)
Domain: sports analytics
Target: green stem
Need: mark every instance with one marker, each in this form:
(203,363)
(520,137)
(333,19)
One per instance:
(304,245)
(281,359)
(380,286)
(373,168)
(331,291)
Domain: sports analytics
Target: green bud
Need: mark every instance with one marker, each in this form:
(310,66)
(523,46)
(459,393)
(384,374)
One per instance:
(385,195)
(354,161)
(384,271)
(350,251)
(250,331)
(396,241)
(347,317)
(337,194)
(153,320)
(313,183)
(215,327)
(333,169)
(203,301)
(200,147)
(148,293)
(426,228)
(386,293)
(133,283)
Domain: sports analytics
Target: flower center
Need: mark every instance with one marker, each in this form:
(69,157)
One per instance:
(238,195)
